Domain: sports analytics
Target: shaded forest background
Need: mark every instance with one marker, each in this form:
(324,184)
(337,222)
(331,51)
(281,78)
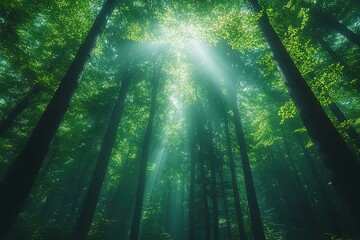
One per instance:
(179,119)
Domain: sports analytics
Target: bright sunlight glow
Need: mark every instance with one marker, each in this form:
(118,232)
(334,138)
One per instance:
(179,36)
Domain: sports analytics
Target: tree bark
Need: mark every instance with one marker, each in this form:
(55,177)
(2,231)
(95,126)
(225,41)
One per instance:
(306,206)
(135,227)
(22,173)
(235,188)
(92,196)
(18,109)
(327,21)
(226,205)
(332,219)
(192,146)
(255,216)
(336,155)
(205,194)
(212,158)
(203,178)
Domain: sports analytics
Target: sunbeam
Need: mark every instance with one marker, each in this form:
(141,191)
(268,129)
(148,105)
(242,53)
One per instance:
(179,120)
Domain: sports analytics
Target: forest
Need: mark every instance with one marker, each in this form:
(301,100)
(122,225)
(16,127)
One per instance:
(180,119)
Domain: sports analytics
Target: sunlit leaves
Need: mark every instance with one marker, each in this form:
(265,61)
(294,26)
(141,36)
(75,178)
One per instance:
(138,32)
(301,50)
(239,28)
(287,111)
(304,15)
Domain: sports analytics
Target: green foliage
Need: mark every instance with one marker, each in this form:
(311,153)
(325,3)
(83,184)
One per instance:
(41,39)
(238,27)
(287,111)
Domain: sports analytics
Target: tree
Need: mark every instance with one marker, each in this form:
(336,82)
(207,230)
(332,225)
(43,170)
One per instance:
(235,188)
(327,21)
(18,109)
(135,228)
(22,173)
(92,196)
(255,216)
(337,157)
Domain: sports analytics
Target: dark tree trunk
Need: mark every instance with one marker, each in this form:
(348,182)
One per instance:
(203,178)
(205,194)
(214,198)
(337,156)
(255,216)
(226,205)
(207,148)
(307,207)
(327,21)
(332,217)
(135,227)
(18,109)
(192,146)
(22,173)
(73,192)
(119,207)
(234,184)
(88,210)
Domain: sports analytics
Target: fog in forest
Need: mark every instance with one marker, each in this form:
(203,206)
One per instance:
(180,120)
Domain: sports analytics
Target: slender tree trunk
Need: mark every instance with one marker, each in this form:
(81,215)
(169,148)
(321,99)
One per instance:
(226,205)
(207,147)
(337,156)
(203,178)
(18,109)
(332,218)
(205,194)
(22,173)
(214,198)
(119,207)
(327,21)
(307,207)
(234,184)
(135,227)
(92,196)
(192,146)
(72,192)
(255,216)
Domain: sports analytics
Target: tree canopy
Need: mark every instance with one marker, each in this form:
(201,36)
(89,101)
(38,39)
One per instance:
(180,119)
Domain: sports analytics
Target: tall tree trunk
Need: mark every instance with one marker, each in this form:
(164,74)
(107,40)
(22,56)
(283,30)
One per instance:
(327,21)
(332,218)
(135,227)
(22,173)
(214,198)
(203,178)
(192,147)
(207,147)
(307,207)
(18,109)
(234,184)
(73,191)
(92,196)
(205,194)
(336,154)
(226,205)
(255,216)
